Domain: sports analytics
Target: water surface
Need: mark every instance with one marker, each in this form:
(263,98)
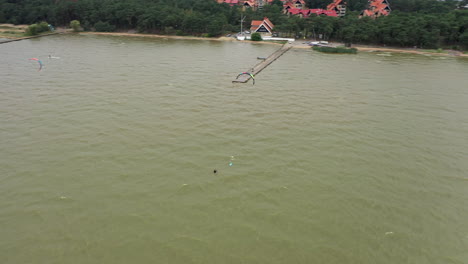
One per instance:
(107,154)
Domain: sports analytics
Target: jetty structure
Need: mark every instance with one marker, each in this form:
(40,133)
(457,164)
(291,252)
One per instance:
(263,64)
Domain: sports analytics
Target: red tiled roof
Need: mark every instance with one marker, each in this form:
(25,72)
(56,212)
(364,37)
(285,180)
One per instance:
(230,2)
(334,5)
(249,2)
(288,5)
(300,1)
(331,13)
(307,12)
(377,8)
(255,24)
(268,22)
(298,11)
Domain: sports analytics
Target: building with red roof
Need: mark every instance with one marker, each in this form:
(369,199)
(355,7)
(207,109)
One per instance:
(262,26)
(377,8)
(229,2)
(304,13)
(298,8)
(339,6)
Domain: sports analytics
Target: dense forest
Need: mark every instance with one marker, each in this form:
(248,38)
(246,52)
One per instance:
(420,23)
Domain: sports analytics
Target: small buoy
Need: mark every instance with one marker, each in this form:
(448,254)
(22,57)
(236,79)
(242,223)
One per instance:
(215,171)
(230,163)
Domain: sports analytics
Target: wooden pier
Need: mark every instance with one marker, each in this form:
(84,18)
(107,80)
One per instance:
(263,64)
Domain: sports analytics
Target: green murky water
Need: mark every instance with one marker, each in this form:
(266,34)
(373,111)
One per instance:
(107,154)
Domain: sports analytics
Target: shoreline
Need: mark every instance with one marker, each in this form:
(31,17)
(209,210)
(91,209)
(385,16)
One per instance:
(144,35)
(297,45)
(448,53)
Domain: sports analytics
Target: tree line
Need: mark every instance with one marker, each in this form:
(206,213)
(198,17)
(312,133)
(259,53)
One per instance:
(420,23)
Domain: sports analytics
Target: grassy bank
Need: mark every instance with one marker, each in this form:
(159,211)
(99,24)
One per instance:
(12,31)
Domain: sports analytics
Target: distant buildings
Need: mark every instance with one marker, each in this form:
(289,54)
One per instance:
(292,7)
(337,8)
(229,2)
(254,4)
(297,7)
(304,13)
(377,8)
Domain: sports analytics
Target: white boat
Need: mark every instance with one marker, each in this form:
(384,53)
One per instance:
(240,37)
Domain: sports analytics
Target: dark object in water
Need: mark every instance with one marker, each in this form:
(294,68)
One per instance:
(215,171)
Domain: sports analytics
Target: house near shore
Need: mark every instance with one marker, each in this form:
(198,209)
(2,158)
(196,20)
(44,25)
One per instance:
(264,27)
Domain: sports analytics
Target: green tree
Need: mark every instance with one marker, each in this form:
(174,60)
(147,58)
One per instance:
(35,29)
(104,27)
(256,37)
(75,25)
(32,30)
(215,27)
(43,27)
(464,39)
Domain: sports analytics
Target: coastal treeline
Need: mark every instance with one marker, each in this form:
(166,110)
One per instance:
(153,16)
(420,23)
(403,29)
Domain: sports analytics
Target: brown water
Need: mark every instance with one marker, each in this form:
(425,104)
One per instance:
(107,154)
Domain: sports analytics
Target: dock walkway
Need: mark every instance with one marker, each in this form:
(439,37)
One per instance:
(263,64)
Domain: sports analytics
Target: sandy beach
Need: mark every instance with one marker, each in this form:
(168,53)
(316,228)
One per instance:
(451,53)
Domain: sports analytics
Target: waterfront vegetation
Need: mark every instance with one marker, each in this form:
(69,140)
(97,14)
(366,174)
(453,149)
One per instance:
(256,37)
(75,25)
(335,49)
(36,29)
(428,24)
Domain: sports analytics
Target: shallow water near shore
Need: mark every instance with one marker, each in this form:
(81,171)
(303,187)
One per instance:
(107,154)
